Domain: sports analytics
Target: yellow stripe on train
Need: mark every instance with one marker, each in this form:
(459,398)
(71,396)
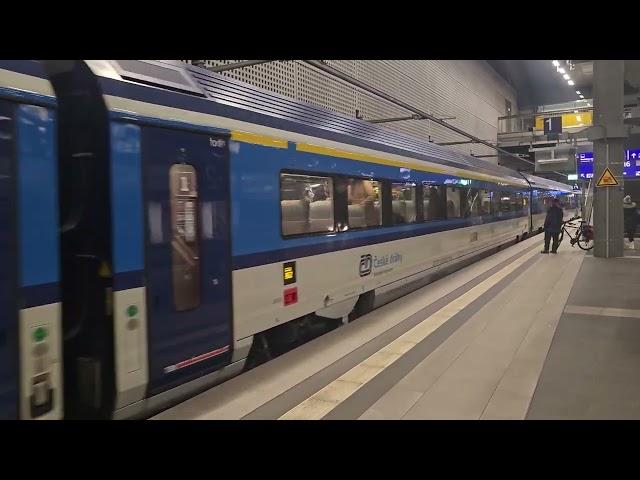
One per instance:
(334,152)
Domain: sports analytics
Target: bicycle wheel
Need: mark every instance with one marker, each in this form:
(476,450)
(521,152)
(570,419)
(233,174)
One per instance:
(585,243)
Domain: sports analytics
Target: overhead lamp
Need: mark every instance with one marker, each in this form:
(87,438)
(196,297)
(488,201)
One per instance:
(578,92)
(571,82)
(562,71)
(566,76)
(582,96)
(556,63)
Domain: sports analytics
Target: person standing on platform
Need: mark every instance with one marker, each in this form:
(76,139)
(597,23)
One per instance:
(630,219)
(553,226)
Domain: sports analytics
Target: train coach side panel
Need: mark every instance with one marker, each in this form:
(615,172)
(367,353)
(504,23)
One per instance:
(327,268)
(326,279)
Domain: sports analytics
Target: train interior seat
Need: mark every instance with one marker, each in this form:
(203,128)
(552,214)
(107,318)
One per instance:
(295,218)
(321,216)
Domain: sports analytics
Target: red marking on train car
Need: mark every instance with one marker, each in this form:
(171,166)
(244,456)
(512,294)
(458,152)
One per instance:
(290,296)
(199,358)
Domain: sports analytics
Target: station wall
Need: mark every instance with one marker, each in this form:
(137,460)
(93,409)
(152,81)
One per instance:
(470,90)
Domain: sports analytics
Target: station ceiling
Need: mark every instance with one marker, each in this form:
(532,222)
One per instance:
(537,82)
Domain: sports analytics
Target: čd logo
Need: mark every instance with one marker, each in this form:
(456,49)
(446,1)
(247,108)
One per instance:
(366,263)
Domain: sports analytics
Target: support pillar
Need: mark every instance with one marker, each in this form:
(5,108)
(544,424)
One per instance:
(608,152)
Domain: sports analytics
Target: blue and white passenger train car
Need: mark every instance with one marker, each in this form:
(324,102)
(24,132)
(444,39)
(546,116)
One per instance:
(196,214)
(30,343)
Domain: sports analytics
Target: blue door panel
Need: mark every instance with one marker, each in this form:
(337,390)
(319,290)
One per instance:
(189,331)
(8,266)
(38,204)
(126,206)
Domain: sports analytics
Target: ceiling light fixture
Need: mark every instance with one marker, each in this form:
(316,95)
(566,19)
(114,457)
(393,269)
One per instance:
(566,76)
(562,71)
(556,63)
(578,92)
(570,82)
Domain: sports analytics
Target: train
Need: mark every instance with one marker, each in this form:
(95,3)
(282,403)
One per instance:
(162,225)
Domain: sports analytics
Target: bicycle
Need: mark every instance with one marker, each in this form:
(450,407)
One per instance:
(583,236)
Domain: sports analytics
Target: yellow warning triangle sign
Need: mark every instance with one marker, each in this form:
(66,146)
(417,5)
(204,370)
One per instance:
(607,179)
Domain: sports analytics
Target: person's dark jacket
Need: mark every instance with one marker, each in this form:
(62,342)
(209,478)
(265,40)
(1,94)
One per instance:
(553,222)
(630,219)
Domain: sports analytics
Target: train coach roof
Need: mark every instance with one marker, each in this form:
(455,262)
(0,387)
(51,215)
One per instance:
(239,95)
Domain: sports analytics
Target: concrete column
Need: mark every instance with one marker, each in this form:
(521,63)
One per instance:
(608,151)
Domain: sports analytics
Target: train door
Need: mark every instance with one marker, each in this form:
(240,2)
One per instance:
(8,276)
(187,268)
(85,241)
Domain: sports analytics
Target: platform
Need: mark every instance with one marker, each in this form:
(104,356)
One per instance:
(517,335)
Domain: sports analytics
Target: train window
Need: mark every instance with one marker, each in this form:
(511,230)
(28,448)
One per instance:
(306,204)
(484,202)
(519,202)
(403,201)
(537,204)
(364,203)
(525,199)
(478,202)
(184,241)
(567,201)
(468,205)
(507,202)
(454,209)
(496,205)
(434,203)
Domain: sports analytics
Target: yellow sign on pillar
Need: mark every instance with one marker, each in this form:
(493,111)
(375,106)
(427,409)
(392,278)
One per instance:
(607,179)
